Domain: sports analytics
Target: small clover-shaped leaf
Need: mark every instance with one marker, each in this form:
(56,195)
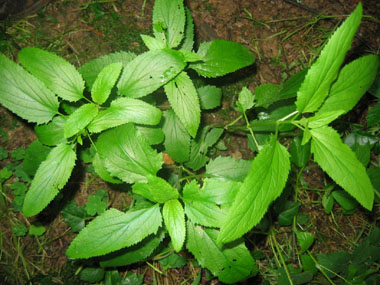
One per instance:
(97,203)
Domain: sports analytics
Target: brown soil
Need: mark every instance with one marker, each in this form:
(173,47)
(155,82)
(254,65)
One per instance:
(284,36)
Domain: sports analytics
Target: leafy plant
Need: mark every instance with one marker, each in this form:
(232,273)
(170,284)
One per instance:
(110,103)
(122,128)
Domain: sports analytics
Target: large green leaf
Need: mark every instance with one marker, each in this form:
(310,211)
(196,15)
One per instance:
(174,219)
(227,168)
(102,171)
(58,75)
(149,71)
(204,206)
(91,69)
(262,186)
(221,57)
(170,15)
(24,95)
(184,100)
(78,120)
(156,190)
(134,253)
(114,230)
(324,71)
(125,110)
(341,164)
(105,81)
(353,81)
(177,139)
(152,134)
(51,176)
(230,264)
(127,155)
(201,210)
(52,133)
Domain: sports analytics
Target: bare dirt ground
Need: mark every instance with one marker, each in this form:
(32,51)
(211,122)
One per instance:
(285,36)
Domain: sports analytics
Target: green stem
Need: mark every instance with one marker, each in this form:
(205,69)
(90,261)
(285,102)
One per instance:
(155,268)
(282,258)
(233,122)
(251,132)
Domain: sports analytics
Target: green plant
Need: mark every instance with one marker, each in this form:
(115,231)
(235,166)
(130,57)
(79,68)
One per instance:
(124,133)
(121,128)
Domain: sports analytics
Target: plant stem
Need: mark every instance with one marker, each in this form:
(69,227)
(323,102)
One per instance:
(155,268)
(282,258)
(251,132)
(233,122)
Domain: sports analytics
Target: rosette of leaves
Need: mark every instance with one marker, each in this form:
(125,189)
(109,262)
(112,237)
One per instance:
(103,104)
(320,95)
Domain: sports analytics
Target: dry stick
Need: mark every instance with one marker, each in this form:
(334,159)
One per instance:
(311,10)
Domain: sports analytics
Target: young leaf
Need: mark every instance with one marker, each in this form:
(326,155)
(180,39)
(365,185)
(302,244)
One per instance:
(126,155)
(134,253)
(149,71)
(152,43)
(52,133)
(74,216)
(324,71)
(177,139)
(78,120)
(188,41)
(37,230)
(174,219)
(245,99)
(58,75)
(125,110)
(230,264)
(200,146)
(97,203)
(341,164)
(118,230)
(300,154)
(24,95)
(105,81)
(228,168)
(221,57)
(156,190)
(261,187)
(91,69)
(353,81)
(183,98)
(209,97)
(170,14)
(51,176)
(305,240)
